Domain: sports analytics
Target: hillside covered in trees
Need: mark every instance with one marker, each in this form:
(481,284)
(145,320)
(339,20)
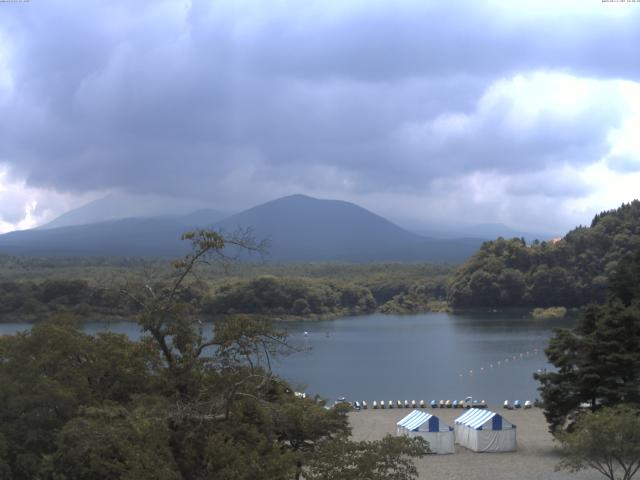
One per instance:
(571,272)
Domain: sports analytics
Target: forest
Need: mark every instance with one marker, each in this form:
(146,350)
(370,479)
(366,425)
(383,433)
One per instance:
(33,288)
(571,272)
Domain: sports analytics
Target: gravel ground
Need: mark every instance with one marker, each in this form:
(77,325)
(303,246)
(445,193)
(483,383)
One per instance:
(535,459)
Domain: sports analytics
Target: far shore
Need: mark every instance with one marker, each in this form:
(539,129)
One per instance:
(90,318)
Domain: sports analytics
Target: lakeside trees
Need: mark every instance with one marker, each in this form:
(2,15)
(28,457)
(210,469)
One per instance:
(571,272)
(287,291)
(270,295)
(597,362)
(179,404)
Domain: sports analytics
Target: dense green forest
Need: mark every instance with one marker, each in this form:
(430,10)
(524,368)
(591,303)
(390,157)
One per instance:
(571,272)
(34,288)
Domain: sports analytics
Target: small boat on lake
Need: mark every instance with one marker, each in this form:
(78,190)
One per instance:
(375,405)
(434,404)
(422,404)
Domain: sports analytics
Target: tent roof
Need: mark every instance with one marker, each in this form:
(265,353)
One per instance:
(415,419)
(401,422)
(466,416)
(476,418)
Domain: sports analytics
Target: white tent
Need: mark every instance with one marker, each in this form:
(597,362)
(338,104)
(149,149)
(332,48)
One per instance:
(485,431)
(420,423)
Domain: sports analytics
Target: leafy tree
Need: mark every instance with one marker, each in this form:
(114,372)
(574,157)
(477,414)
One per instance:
(114,442)
(50,372)
(388,459)
(304,425)
(625,284)
(597,362)
(607,440)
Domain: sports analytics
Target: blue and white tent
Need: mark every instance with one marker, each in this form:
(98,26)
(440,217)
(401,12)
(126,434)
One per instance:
(440,437)
(485,431)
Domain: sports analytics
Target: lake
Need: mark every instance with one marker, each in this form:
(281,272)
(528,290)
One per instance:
(428,356)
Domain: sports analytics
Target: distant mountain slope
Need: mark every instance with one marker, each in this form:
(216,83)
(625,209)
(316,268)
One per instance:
(495,230)
(486,231)
(300,229)
(569,272)
(117,206)
(130,237)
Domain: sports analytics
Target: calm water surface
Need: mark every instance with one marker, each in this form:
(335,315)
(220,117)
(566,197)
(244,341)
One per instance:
(427,356)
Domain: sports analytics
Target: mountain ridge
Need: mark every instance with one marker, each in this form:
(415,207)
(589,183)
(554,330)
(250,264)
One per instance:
(300,229)
(118,206)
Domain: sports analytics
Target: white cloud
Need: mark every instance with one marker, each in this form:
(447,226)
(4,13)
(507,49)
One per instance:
(527,122)
(26,207)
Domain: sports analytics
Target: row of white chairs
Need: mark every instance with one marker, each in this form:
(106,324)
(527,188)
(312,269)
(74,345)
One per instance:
(517,404)
(436,404)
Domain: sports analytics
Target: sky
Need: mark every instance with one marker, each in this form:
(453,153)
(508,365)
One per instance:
(523,113)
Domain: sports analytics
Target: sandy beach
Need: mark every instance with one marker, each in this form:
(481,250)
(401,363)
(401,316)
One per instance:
(535,459)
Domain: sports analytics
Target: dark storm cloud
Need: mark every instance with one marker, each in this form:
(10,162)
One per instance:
(444,38)
(220,99)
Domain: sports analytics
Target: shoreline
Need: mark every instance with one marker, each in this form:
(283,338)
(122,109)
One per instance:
(97,317)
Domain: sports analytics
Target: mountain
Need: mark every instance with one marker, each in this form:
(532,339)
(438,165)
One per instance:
(129,237)
(117,206)
(299,229)
(302,228)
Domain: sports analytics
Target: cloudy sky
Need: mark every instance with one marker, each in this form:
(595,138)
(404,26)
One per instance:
(526,113)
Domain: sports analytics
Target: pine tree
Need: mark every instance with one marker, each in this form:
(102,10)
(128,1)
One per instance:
(597,362)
